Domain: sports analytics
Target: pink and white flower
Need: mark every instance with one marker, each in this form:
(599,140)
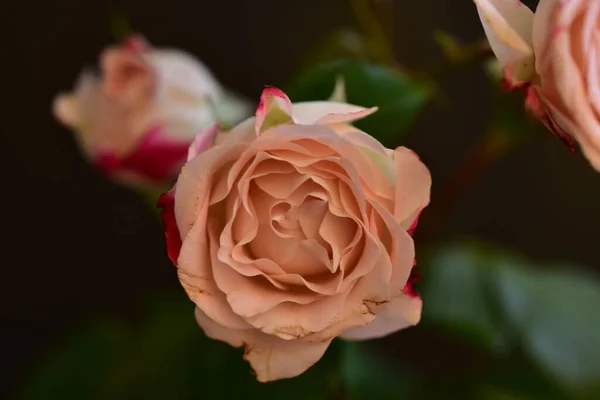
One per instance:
(137,118)
(294,228)
(554,55)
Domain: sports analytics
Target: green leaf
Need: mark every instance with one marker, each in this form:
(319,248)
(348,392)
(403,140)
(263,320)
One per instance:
(344,43)
(399,98)
(455,288)
(557,313)
(167,357)
(365,375)
(79,368)
(550,311)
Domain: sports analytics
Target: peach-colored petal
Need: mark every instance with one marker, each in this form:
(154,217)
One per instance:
(413,185)
(274,109)
(402,312)
(271,358)
(508,25)
(195,274)
(315,322)
(194,183)
(328,112)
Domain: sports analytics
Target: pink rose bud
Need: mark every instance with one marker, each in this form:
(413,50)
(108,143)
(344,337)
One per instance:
(553,55)
(295,228)
(136,120)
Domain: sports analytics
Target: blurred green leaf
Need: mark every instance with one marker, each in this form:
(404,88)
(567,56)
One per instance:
(456,289)
(365,375)
(343,43)
(557,313)
(399,98)
(167,357)
(551,312)
(119,25)
(78,369)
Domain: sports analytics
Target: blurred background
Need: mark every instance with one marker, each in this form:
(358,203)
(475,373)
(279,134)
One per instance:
(86,277)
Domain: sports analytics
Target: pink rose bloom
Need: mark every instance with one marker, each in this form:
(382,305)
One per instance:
(295,228)
(554,55)
(136,120)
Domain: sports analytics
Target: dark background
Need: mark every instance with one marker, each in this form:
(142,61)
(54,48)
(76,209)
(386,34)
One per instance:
(80,246)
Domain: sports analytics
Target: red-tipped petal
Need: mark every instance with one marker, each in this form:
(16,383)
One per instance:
(409,288)
(136,43)
(167,203)
(536,107)
(411,229)
(274,108)
(156,159)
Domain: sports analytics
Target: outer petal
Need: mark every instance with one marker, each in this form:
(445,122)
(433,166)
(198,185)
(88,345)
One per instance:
(275,108)
(400,313)
(508,25)
(203,140)
(271,358)
(542,26)
(167,203)
(157,157)
(328,112)
(413,185)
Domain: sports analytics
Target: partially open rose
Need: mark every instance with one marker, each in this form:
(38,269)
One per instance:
(136,119)
(554,55)
(295,228)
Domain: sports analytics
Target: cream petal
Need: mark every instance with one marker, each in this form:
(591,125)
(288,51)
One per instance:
(271,358)
(65,109)
(128,77)
(328,112)
(508,26)
(402,312)
(413,186)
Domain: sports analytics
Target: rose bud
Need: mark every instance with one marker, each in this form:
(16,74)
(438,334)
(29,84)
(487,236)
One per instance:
(295,228)
(137,118)
(552,55)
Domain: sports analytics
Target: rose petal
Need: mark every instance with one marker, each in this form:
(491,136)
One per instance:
(400,313)
(271,358)
(203,140)
(65,110)
(274,109)
(128,77)
(328,112)
(194,183)
(167,203)
(508,25)
(413,186)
